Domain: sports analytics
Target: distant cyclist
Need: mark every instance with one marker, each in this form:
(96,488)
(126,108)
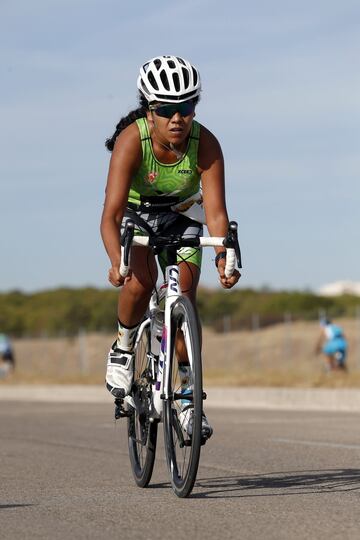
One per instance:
(159,155)
(6,351)
(333,344)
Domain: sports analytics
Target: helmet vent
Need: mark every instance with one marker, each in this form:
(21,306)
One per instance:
(195,75)
(176,81)
(153,82)
(164,80)
(157,63)
(171,64)
(186,77)
(181,61)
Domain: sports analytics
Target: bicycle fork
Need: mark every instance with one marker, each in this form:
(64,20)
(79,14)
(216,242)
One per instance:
(161,386)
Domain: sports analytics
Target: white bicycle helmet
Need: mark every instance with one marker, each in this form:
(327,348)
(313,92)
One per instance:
(170,79)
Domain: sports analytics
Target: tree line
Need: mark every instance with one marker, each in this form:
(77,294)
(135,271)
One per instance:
(65,311)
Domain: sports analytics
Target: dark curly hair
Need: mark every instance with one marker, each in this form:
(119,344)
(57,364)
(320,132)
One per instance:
(140,112)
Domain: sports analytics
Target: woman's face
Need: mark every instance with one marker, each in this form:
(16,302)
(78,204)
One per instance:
(172,121)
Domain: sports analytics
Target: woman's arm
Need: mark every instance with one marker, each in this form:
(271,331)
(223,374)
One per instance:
(211,168)
(125,160)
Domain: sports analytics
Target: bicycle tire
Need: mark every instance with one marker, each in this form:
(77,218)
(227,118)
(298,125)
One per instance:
(142,433)
(182,450)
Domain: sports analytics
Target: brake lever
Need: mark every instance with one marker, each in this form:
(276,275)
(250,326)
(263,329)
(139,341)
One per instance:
(232,241)
(127,239)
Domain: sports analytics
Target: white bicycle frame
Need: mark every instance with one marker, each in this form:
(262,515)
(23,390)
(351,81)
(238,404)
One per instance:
(172,279)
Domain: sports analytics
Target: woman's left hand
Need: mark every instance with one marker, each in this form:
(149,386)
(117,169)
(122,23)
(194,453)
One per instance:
(229,282)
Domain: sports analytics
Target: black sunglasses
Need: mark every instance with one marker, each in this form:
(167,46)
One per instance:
(169,109)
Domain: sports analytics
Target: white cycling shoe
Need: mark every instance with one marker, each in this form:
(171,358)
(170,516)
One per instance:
(186,421)
(119,372)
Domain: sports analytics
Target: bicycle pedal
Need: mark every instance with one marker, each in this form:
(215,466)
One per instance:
(187,442)
(120,412)
(206,437)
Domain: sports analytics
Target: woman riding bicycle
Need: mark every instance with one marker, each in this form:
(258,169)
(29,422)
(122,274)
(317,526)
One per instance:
(159,156)
(333,344)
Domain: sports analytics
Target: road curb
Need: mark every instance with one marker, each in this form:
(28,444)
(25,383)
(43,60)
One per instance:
(301,399)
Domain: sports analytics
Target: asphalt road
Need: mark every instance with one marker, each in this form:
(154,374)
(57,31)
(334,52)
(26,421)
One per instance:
(264,475)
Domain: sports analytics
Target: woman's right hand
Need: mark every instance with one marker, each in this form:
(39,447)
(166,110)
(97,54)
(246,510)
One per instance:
(115,278)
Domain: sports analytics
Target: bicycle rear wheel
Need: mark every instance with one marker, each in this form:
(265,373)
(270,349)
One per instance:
(142,432)
(183,448)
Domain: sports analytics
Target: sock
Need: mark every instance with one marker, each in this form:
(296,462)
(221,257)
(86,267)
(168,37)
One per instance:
(126,336)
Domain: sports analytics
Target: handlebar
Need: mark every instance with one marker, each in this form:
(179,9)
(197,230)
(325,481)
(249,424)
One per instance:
(176,241)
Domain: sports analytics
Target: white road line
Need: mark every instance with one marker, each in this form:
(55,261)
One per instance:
(318,443)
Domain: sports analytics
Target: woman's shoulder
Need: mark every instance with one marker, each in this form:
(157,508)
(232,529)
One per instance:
(129,138)
(209,145)
(127,150)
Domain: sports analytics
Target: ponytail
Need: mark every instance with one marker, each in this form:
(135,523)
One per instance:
(140,112)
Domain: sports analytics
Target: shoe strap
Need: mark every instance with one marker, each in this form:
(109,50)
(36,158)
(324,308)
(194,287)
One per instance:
(124,361)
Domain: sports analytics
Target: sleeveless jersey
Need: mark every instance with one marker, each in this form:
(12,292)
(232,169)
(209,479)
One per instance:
(155,179)
(333,332)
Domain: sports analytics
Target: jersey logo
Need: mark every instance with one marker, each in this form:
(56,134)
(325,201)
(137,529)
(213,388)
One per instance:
(184,171)
(151,177)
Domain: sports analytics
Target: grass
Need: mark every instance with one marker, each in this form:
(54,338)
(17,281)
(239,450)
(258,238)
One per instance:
(280,355)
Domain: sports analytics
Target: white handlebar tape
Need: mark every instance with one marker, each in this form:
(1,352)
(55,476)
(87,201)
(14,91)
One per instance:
(124,270)
(230,262)
(204,241)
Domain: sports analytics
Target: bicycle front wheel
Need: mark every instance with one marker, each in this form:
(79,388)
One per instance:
(142,432)
(183,417)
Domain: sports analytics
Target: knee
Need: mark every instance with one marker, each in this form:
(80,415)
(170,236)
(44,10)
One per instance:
(140,288)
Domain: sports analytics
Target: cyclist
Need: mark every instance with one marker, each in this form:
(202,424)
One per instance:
(333,344)
(6,351)
(159,155)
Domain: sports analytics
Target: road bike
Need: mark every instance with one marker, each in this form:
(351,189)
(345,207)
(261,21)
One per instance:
(167,384)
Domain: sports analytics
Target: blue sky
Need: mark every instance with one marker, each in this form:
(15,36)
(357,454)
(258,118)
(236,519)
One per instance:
(281,91)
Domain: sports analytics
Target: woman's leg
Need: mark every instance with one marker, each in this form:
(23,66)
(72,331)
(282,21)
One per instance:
(189,279)
(329,359)
(133,301)
(135,294)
